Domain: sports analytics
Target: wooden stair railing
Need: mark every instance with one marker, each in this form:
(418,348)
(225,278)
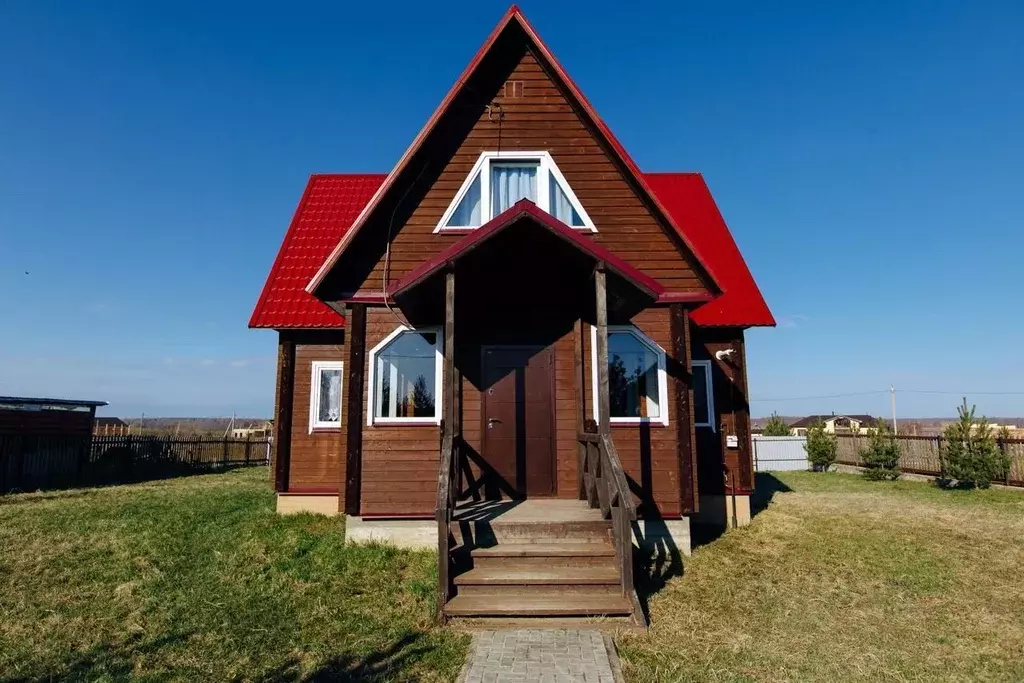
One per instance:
(447,495)
(605,486)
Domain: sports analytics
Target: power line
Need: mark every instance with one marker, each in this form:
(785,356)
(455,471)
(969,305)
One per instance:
(808,398)
(886,391)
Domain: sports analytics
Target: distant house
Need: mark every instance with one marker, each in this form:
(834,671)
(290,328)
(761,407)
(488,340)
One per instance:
(254,431)
(103,426)
(834,424)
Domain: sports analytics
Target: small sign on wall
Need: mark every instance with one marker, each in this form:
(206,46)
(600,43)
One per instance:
(732,441)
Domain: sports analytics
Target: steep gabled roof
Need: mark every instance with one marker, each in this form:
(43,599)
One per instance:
(513,17)
(331,203)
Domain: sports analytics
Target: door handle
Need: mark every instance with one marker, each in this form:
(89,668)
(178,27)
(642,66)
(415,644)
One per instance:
(491,422)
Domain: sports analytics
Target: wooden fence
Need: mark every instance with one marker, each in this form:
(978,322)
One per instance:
(923,455)
(29,463)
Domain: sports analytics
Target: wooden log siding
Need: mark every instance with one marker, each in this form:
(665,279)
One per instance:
(648,452)
(540,119)
(316,462)
(399,463)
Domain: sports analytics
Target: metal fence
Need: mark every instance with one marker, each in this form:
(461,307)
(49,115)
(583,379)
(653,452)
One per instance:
(29,463)
(780,453)
(923,455)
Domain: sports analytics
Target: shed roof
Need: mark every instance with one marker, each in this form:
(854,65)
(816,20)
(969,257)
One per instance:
(31,402)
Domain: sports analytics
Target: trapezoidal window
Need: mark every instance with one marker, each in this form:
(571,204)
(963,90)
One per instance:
(405,378)
(500,179)
(637,381)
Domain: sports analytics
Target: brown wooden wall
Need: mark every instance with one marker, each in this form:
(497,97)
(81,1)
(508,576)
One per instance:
(732,410)
(649,452)
(316,464)
(541,119)
(399,461)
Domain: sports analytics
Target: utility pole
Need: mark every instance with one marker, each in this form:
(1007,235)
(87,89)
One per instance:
(892,395)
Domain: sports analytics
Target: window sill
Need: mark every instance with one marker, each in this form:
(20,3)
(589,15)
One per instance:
(322,430)
(631,422)
(428,422)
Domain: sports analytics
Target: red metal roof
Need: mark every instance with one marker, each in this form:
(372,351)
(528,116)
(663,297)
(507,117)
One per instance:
(331,203)
(522,209)
(686,196)
(325,213)
(513,16)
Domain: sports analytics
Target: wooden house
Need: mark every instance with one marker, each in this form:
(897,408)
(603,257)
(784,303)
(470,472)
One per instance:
(516,335)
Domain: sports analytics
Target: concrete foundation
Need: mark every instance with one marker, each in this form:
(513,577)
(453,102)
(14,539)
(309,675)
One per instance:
(717,511)
(667,537)
(289,504)
(418,534)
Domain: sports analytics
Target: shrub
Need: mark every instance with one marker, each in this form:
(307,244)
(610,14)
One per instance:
(882,456)
(821,447)
(775,426)
(971,456)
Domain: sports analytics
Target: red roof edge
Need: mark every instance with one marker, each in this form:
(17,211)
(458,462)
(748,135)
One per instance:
(513,12)
(279,259)
(526,208)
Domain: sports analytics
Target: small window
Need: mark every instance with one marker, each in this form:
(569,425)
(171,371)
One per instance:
(467,213)
(325,397)
(561,206)
(703,405)
(405,376)
(637,382)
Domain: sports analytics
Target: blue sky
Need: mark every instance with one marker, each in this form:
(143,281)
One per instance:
(867,156)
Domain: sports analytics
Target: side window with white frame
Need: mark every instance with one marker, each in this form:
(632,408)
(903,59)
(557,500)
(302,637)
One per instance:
(637,381)
(405,378)
(325,395)
(703,396)
(500,179)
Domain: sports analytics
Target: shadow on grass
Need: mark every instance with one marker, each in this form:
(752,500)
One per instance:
(376,667)
(657,561)
(102,661)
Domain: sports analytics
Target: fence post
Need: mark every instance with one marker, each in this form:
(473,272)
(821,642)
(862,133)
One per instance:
(248,445)
(224,462)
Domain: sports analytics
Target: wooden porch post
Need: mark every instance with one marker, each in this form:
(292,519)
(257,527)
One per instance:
(683,354)
(355,339)
(283,416)
(451,411)
(741,412)
(603,398)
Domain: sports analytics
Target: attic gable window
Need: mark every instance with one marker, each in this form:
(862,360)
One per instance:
(500,179)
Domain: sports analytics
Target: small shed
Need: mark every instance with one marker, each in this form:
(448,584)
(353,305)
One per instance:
(26,416)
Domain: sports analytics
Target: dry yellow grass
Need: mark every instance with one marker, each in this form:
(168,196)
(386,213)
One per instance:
(846,580)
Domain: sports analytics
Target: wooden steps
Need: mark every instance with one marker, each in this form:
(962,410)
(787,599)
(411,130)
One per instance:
(541,605)
(535,561)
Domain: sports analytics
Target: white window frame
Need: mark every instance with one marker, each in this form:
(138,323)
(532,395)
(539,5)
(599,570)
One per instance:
(546,168)
(314,394)
(662,418)
(371,395)
(709,419)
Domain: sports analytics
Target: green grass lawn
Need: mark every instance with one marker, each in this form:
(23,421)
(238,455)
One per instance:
(199,579)
(841,579)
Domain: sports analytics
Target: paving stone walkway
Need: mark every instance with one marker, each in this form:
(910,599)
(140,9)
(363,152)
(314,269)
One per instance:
(538,656)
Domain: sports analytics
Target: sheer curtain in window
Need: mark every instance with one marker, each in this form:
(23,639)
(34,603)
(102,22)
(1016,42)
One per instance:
(510,183)
(330,396)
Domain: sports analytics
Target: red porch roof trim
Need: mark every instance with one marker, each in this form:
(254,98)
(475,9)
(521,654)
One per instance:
(524,208)
(513,14)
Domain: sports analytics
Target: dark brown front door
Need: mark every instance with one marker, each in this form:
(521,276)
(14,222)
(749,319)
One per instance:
(519,417)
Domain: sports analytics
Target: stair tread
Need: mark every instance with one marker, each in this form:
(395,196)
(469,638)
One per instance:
(596,549)
(546,576)
(552,604)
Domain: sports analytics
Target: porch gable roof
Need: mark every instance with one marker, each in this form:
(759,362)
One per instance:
(524,209)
